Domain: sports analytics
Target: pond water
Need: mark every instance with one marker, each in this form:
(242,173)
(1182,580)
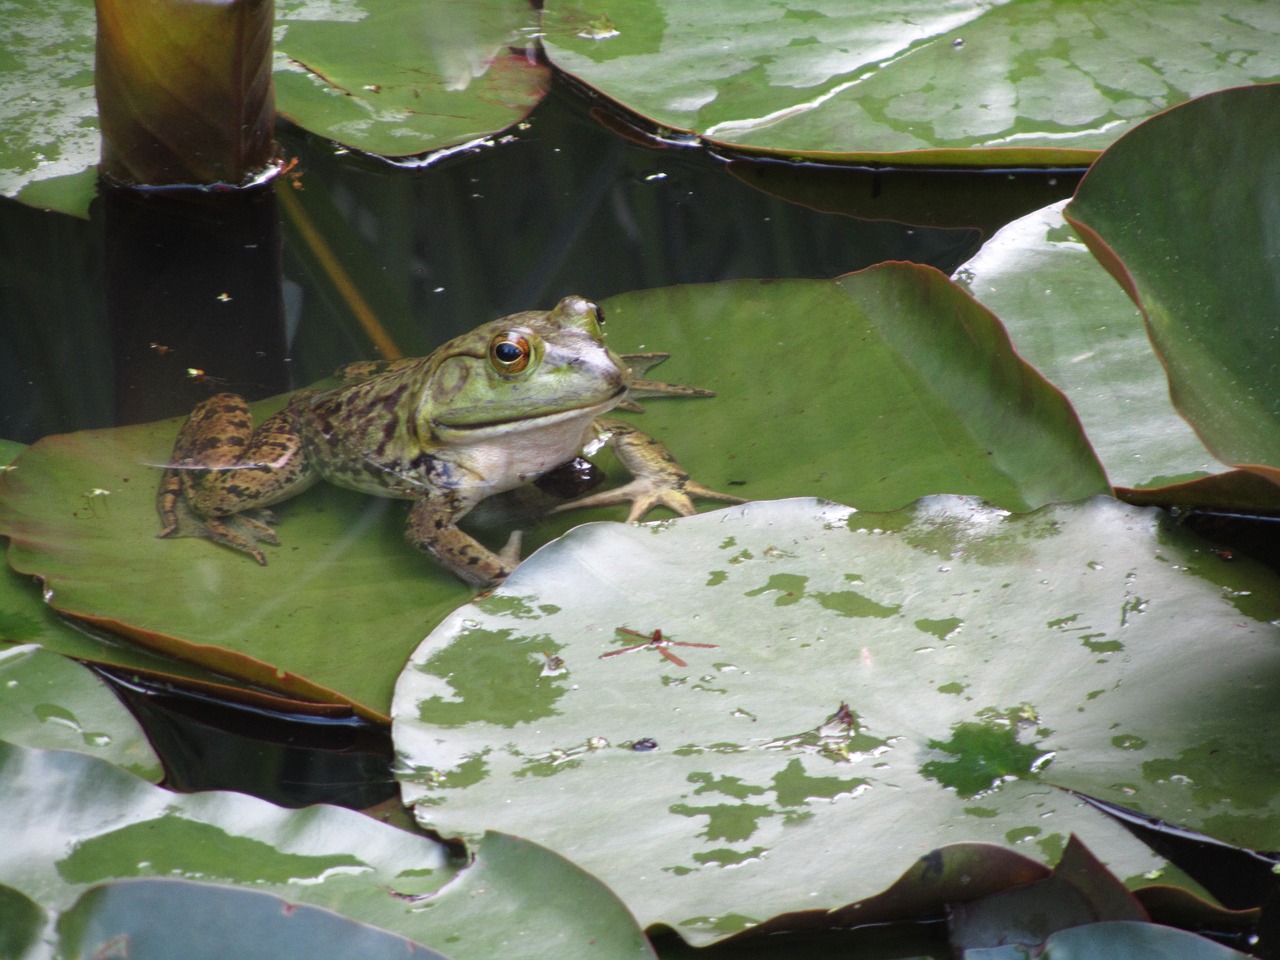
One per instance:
(156,301)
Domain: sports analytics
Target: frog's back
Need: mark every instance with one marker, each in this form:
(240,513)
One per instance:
(365,435)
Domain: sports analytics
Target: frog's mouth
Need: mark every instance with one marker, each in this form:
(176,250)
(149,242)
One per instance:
(463,425)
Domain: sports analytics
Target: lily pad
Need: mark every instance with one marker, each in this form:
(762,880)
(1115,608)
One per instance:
(98,823)
(910,387)
(216,922)
(56,703)
(444,75)
(833,692)
(26,619)
(22,926)
(966,82)
(98,555)
(1113,940)
(1180,211)
(1070,321)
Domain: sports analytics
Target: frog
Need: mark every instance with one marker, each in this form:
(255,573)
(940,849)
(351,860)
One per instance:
(485,413)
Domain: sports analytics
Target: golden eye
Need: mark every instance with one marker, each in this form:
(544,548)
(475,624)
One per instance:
(509,352)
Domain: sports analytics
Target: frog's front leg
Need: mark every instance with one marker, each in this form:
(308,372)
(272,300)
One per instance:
(223,473)
(433,528)
(658,479)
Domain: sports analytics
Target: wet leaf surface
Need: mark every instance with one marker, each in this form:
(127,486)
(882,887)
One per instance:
(446,73)
(1178,212)
(69,823)
(966,82)
(137,916)
(1070,320)
(828,681)
(57,704)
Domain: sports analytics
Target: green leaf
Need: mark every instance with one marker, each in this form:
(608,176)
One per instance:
(22,923)
(216,922)
(50,147)
(98,823)
(56,703)
(1115,940)
(1080,891)
(882,683)
(874,389)
(80,512)
(1181,212)
(444,73)
(26,618)
(964,82)
(1069,320)
(910,388)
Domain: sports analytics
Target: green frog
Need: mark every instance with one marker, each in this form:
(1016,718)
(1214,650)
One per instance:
(485,413)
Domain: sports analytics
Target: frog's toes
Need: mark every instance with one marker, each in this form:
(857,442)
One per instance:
(240,531)
(510,553)
(695,489)
(647,493)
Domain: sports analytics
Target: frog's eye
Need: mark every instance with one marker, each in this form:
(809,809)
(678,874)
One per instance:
(509,352)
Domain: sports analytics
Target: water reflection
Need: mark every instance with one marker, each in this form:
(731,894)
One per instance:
(562,205)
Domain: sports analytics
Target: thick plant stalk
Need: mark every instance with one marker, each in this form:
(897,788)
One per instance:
(184,90)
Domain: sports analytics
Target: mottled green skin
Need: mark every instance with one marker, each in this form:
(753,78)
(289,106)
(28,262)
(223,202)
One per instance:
(486,412)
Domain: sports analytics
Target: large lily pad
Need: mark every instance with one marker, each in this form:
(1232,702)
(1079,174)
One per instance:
(1069,320)
(964,82)
(277,627)
(906,387)
(69,822)
(443,75)
(835,692)
(1181,212)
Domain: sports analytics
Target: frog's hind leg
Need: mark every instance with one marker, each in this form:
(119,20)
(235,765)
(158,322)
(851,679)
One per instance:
(224,473)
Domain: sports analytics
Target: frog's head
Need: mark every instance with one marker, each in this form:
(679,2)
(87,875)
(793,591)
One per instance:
(527,368)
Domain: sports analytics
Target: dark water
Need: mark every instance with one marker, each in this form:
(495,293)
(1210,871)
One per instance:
(158,300)
(101,320)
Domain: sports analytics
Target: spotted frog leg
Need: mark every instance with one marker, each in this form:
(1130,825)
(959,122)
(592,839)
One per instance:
(224,473)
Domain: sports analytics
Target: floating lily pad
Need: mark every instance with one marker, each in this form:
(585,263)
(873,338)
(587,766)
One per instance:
(1068,318)
(216,922)
(56,703)
(1113,940)
(278,627)
(1181,212)
(445,73)
(969,82)
(97,823)
(899,385)
(834,692)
